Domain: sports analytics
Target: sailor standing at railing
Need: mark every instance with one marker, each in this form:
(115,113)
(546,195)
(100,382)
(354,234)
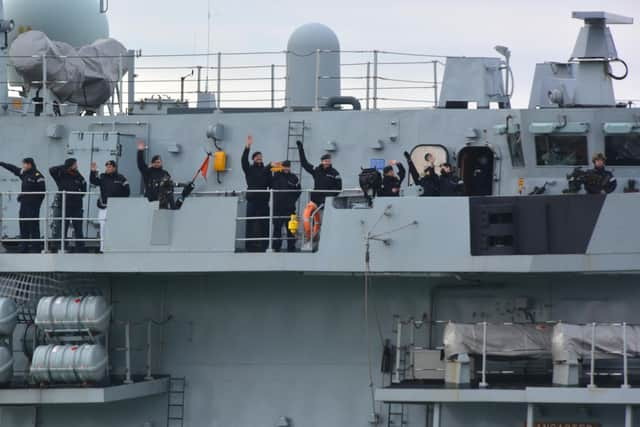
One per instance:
(112,184)
(69,179)
(258,178)
(32,182)
(325,178)
(152,175)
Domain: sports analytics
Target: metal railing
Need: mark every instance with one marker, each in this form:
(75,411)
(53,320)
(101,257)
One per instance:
(380,79)
(59,239)
(413,324)
(60,220)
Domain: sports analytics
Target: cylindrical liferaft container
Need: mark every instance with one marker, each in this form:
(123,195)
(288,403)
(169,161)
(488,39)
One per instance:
(69,364)
(73,313)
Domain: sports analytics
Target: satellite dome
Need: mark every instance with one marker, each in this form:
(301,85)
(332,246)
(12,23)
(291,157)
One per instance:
(303,44)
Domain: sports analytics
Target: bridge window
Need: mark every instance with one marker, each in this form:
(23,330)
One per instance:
(622,150)
(565,150)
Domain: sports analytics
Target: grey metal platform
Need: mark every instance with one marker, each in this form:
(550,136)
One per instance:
(533,395)
(78,395)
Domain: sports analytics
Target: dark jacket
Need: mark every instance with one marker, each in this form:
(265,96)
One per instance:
(258,178)
(152,177)
(72,182)
(285,203)
(607,181)
(391,184)
(323,179)
(32,181)
(450,184)
(111,185)
(429,182)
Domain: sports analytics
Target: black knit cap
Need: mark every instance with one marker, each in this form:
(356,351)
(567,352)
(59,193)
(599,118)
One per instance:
(286,163)
(69,162)
(387,169)
(111,163)
(326,157)
(29,161)
(257,153)
(156,158)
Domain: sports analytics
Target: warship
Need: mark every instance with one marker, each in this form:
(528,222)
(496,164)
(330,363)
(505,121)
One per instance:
(509,304)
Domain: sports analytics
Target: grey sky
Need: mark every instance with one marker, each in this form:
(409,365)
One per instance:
(534,30)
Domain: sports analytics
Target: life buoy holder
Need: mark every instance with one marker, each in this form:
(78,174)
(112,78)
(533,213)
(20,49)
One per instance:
(308,213)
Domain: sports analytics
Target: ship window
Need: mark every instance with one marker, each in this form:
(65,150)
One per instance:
(622,150)
(566,150)
(515,149)
(439,153)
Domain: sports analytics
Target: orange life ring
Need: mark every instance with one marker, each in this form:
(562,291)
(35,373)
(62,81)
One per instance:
(308,212)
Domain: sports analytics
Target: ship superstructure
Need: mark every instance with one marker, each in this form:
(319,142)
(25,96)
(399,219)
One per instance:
(511,304)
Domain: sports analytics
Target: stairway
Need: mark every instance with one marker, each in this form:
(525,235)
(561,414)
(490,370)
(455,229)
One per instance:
(175,402)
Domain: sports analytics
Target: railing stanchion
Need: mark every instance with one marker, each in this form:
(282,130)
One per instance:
(436,415)
(435,83)
(148,377)
(628,416)
(273,86)
(45,93)
(375,79)
(127,338)
(592,383)
(45,233)
(396,377)
(625,366)
(483,382)
(529,415)
(218,80)
(316,105)
(63,221)
(270,225)
(120,84)
(368,83)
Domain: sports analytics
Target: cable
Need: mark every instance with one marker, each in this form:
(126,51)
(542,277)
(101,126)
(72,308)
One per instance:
(610,74)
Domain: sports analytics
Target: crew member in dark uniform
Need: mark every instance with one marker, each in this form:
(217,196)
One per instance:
(390,181)
(284,205)
(326,183)
(258,177)
(450,184)
(599,180)
(429,181)
(68,178)
(111,184)
(152,175)
(32,181)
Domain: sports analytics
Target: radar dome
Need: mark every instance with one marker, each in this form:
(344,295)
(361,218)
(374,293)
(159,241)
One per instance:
(302,55)
(77,22)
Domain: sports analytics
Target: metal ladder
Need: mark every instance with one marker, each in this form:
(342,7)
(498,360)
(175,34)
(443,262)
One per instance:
(295,133)
(396,415)
(175,402)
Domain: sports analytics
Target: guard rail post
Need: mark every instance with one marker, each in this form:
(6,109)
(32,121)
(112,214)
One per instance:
(270,224)
(148,377)
(625,366)
(368,83)
(127,354)
(435,83)
(375,79)
(396,377)
(45,93)
(483,382)
(218,81)
(316,106)
(592,383)
(273,86)
(63,224)
(45,235)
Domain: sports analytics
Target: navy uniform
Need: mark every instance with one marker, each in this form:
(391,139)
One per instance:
(325,178)
(111,185)
(284,205)
(258,177)
(32,182)
(151,176)
(450,183)
(599,179)
(69,179)
(390,182)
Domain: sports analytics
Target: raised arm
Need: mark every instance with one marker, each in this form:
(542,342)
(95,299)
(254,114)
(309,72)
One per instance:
(402,173)
(412,168)
(56,172)
(303,158)
(93,177)
(12,168)
(245,159)
(142,165)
